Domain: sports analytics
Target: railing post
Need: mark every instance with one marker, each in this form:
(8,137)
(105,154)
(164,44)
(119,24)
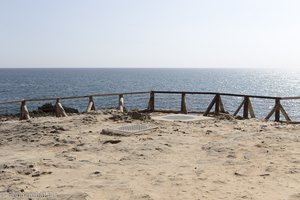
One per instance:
(210,106)
(183,103)
(222,108)
(285,114)
(24,114)
(91,105)
(151,102)
(277,110)
(251,110)
(217,105)
(121,103)
(246,108)
(60,111)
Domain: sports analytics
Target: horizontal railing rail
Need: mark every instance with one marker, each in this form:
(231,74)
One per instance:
(73,97)
(226,94)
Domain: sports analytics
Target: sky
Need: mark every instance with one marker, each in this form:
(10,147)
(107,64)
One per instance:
(150,33)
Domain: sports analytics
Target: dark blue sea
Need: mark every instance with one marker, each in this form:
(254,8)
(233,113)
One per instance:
(16,84)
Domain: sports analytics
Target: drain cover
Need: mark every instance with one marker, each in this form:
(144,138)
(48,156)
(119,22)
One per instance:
(181,117)
(127,130)
(134,128)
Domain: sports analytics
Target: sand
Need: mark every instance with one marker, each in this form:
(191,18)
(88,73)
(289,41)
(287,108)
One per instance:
(209,159)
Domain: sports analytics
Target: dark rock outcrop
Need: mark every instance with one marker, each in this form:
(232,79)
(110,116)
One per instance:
(50,108)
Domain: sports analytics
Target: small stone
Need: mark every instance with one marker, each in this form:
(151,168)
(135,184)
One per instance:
(54,131)
(264,175)
(112,141)
(238,174)
(44,173)
(27,173)
(71,159)
(36,174)
(159,149)
(239,118)
(231,156)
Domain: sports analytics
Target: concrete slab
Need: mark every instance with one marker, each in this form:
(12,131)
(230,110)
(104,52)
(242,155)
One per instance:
(181,117)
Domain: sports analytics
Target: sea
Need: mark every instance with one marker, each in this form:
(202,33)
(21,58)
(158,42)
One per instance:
(17,84)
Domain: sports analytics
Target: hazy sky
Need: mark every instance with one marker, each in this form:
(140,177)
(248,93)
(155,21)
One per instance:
(149,33)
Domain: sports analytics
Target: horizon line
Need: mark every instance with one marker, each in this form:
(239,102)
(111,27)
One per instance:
(276,67)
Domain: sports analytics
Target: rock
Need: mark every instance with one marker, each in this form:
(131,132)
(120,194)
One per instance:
(238,174)
(239,118)
(76,149)
(137,115)
(46,173)
(71,158)
(50,108)
(225,116)
(90,119)
(159,149)
(231,155)
(112,141)
(3,119)
(118,117)
(55,131)
(47,108)
(264,175)
(59,128)
(36,174)
(70,110)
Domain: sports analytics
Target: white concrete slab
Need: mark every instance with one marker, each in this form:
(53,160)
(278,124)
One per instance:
(181,118)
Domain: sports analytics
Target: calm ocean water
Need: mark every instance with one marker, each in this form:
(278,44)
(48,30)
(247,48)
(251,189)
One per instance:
(18,84)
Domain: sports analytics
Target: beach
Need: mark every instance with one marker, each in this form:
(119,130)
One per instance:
(214,158)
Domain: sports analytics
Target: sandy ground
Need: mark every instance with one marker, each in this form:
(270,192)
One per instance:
(210,159)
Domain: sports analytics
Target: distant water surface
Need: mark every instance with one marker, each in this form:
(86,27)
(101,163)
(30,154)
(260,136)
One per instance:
(18,84)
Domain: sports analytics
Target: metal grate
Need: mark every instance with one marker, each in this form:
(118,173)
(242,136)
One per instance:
(134,128)
(127,130)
